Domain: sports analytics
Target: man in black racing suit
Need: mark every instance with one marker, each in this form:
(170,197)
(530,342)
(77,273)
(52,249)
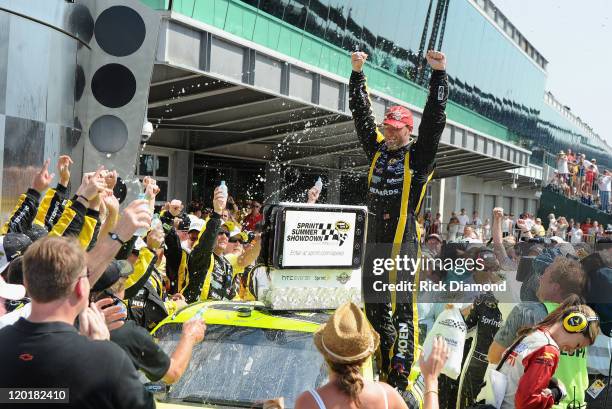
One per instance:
(398,176)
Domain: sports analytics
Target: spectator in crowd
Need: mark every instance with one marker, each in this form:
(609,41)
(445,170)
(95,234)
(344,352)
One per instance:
(537,230)
(500,250)
(552,226)
(57,275)
(175,210)
(476,220)
(574,169)
(486,230)
(195,228)
(346,341)
(253,217)
(228,216)
(463,218)
(433,244)
(137,342)
(536,355)
(570,155)
(207,259)
(560,280)
(575,234)
(470,236)
(562,226)
(594,230)
(242,250)
(589,178)
(453,228)
(507,225)
(427,223)
(562,168)
(604,185)
(586,225)
(436,226)
(580,170)
(233,209)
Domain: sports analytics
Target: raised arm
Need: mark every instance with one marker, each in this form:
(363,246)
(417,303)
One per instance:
(434,116)
(360,106)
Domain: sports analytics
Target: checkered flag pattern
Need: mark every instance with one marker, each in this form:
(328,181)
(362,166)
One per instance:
(330,233)
(454,324)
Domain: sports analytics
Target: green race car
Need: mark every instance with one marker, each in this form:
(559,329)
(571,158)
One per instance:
(249,354)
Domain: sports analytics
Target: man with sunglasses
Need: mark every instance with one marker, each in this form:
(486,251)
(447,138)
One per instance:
(399,172)
(210,274)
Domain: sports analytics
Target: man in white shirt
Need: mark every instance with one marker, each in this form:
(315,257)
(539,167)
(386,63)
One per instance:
(463,218)
(506,225)
(604,184)
(529,221)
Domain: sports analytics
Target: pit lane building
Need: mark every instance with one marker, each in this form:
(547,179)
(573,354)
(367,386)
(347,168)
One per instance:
(254,92)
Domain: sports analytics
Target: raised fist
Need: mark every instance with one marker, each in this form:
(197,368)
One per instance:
(357,60)
(436,60)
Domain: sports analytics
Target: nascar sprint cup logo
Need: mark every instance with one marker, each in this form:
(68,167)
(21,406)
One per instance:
(320,232)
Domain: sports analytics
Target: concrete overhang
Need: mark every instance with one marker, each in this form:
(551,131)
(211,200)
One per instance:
(218,94)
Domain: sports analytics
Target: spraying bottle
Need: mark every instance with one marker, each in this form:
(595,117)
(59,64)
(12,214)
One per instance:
(223,188)
(319,184)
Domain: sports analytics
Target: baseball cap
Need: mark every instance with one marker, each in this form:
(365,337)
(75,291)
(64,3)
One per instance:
(434,236)
(11,291)
(116,269)
(398,116)
(12,245)
(36,232)
(197,224)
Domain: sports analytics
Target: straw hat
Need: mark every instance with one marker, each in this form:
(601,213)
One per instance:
(347,336)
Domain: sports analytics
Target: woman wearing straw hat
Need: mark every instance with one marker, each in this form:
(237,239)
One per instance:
(346,341)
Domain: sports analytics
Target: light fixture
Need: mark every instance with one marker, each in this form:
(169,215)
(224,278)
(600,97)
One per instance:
(514,185)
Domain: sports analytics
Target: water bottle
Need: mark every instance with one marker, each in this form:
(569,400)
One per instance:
(156,223)
(200,314)
(143,230)
(319,184)
(223,188)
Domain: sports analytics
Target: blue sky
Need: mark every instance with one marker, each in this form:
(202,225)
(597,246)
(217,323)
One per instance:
(576,39)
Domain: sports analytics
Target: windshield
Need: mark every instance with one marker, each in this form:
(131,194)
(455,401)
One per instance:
(246,364)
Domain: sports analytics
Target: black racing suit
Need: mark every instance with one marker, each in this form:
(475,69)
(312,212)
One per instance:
(210,276)
(486,317)
(397,182)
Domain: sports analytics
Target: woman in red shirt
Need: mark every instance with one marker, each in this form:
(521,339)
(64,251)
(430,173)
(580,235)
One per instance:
(254,217)
(588,180)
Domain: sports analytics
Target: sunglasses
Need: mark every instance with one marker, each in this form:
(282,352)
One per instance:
(236,240)
(227,234)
